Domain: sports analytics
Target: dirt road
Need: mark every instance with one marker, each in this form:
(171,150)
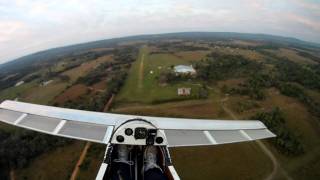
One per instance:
(87,146)
(80,161)
(109,103)
(276,166)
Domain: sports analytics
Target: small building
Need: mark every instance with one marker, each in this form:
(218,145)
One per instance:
(19,83)
(184,69)
(184,91)
(46,83)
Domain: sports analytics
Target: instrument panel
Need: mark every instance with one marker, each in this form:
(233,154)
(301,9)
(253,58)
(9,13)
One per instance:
(138,132)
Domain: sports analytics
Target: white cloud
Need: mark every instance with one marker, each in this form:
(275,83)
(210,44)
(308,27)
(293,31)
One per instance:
(31,25)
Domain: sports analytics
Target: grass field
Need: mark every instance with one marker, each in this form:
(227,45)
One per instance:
(71,93)
(14,92)
(85,68)
(250,54)
(215,165)
(142,80)
(192,109)
(192,55)
(231,161)
(44,94)
(34,93)
(291,55)
(300,121)
(192,163)
(56,164)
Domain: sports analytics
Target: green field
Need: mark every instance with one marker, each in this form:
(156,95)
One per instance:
(56,164)
(191,163)
(14,92)
(220,160)
(142,80)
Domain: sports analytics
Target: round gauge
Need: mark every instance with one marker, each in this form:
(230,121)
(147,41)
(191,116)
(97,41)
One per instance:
(128,131)
(120,138)
(159,140)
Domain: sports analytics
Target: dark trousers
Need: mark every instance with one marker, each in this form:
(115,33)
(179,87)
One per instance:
(123,173)
(154,174)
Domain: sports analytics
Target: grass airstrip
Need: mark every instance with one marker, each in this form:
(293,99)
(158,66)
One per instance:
(142,85)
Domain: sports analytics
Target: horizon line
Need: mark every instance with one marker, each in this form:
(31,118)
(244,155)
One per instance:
(153,34)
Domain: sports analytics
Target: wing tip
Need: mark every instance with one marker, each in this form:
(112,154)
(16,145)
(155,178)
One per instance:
(272,134)
(6,101)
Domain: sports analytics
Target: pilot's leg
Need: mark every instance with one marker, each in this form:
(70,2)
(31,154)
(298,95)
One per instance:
(122,164)
(152,170)
(154,174)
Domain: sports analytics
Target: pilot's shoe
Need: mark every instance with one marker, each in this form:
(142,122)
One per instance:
(150,158)
(123,154)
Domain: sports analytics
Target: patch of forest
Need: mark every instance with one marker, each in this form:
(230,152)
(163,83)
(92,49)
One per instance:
(19,147)
(290,78)
(287,142)
(217,66)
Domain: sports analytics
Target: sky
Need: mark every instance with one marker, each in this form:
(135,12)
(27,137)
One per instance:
(28,26)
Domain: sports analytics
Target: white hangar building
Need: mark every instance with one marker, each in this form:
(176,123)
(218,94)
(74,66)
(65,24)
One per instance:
(184,69)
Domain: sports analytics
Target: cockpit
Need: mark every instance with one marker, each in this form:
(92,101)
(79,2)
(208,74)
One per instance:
(138,132)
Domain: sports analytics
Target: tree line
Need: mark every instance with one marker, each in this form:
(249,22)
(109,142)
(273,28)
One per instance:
(286,142)
(290,78)
(217,66)
(19,147)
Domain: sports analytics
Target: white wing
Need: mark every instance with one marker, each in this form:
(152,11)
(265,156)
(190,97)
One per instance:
(99,127)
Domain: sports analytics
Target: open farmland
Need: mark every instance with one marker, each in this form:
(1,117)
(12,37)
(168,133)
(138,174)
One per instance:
(86,67)
(241,78)
(143,79)
(219,106)
(52,87)
(71,93)
(14,92)
(299,120)
(292,55)
(210,109)
(44,94)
